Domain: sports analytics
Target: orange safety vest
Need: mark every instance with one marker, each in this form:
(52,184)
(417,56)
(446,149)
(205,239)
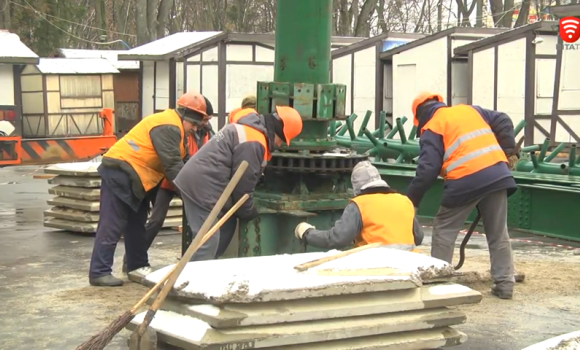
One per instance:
(249,134)
(470,144)
(192,148)
(386,219)
(137,150)
(239,113)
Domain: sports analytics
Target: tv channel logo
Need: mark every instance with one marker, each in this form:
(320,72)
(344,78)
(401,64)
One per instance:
(569,29)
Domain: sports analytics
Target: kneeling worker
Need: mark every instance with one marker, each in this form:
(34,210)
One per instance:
(253,139)
(130,172)
(377,214)
(469,146)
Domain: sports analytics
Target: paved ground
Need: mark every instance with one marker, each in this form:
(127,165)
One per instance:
(47,303)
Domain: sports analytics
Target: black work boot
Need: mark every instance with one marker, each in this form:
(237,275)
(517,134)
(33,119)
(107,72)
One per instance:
(106,281)
(502,292)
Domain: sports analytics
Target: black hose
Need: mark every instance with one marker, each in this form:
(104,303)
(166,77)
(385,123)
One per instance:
(466,240)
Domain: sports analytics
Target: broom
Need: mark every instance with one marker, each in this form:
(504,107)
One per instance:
(101,339)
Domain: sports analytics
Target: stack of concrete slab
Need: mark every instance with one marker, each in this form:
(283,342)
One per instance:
(76,205)
(374,299)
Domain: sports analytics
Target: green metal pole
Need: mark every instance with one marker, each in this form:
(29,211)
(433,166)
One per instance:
(303,56)
(303,46)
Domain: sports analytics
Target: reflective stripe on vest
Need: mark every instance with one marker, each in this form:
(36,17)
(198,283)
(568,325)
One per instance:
(249,134)
(470,144)
(136,148)
(386,219)
(238,114)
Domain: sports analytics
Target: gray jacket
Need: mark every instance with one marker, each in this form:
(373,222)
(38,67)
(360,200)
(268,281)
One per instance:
(205,176)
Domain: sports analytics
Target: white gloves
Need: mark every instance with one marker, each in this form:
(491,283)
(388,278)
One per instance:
(301,229)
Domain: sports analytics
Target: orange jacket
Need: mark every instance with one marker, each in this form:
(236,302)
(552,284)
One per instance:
(386,219)
(136,148)
(238,113)
(192,148)
(470,144)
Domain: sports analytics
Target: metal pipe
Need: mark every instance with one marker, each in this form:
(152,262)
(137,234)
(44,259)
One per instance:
(350,129)
(401,130)
(343,130)
(572,156)
(382,122)
(530,148)
(393,132)
(554,153)
(519,127)
(413,133)
(333,125)
(543,150)
(534,159)
(371,138)
(364,123)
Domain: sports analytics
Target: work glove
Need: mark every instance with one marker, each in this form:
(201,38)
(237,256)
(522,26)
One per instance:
(513,162)
(301,229)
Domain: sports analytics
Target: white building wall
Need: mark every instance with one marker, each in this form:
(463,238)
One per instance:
(569,93)
(147,93)
(364,87)
(418,69)
(162,85)
(511,83)
(483,78)
(6,85)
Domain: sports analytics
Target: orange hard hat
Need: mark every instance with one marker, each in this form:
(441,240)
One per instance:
(291,120)
(193,101)
(422,97)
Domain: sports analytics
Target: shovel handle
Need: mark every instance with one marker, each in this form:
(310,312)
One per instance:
(207,236)
(317,262)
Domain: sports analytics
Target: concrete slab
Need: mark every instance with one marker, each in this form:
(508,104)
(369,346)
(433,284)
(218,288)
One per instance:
(89,194)
(92,216)
(273,278)
(424,339)
(313,309)
(90,227)
(190,333)
(76,181)
(72,214)
(72,203)
(74,169)
(569,341)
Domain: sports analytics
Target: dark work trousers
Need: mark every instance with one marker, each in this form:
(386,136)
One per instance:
(115,219)
(216,245)
(158,214)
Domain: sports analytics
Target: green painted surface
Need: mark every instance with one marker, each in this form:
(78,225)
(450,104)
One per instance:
(294,193)
(303,34)
(544,204)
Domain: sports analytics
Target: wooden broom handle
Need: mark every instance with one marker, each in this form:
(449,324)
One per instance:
(207,236)
(317,262)
(192,247)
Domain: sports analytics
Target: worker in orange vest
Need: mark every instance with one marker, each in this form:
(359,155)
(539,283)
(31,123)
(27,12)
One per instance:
(248,102)
(131,171)
(469,147)
(253,139)
(377,214)
(198,136)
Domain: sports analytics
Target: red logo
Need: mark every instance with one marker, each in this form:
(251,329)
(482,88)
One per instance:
(570,29)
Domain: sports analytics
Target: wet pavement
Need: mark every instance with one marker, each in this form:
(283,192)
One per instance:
(47,303)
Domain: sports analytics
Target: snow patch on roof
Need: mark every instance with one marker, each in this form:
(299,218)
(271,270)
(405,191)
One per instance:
(110,55)
(76,66)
